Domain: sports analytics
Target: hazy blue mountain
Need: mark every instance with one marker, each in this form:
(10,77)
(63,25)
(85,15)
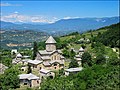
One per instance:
(64,25)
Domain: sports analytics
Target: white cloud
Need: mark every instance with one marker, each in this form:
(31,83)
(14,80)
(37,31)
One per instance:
(66,17)
(70,17)
(16,17)
(8,4)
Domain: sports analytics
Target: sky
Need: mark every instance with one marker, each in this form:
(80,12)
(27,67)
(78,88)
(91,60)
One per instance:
(51,11)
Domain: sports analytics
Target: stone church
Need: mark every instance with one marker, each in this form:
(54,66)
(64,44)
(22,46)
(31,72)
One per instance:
(51,58)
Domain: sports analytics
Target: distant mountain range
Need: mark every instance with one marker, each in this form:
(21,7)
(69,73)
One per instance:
(63,26)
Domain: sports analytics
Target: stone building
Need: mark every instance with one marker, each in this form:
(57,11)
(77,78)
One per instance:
(79,55)
(19,56)
(51,58)
(29,80)
(35,64)
(46,73)
(2,68)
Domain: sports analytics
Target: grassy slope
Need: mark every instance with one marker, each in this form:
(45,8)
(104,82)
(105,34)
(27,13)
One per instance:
(88,46)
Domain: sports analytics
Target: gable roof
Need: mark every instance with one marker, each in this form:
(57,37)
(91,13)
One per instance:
(44,52)
(34,61)
(81,49)
(19,55)
(44,71)
(50,40)
(28,76)
(74,69)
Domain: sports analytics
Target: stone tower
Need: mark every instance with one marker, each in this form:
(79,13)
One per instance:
(50,44)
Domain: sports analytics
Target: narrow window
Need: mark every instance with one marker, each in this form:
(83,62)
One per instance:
(37,82)
(25,83)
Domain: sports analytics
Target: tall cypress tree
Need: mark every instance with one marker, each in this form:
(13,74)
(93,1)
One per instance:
(29,69)
(73,64)
(86,59)
(35,49)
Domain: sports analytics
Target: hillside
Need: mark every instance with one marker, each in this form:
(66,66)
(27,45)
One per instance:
(101,70)
(109,35)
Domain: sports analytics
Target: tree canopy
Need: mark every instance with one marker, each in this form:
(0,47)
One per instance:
(10,79)
(73,64)
(86,59)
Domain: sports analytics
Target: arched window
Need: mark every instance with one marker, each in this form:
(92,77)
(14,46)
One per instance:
(55,57)
(52,58)
(37,81)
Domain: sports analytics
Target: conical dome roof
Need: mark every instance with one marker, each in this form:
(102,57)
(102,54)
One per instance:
(19,55)
(81,49)
(50,40)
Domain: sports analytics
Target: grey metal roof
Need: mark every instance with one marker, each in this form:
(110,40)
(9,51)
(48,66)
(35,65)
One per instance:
(74,69)
(34,62)
(25,60)
(45,57)
(50,40)
(28,76)
(42,52)
(26,56)
(44,71)
(78,59)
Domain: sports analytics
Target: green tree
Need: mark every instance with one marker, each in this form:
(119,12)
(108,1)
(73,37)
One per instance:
(29,69)
(6,61)
(41,45)
(86,59)
(73,64)
(83,46)
(65,53)
(35,49)
(61,72)
(100,59)
(72,54)
(10,79)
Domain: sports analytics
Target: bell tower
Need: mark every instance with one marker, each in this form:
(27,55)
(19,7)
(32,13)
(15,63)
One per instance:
(50,44)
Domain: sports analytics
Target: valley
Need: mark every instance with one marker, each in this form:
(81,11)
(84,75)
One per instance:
(20,39)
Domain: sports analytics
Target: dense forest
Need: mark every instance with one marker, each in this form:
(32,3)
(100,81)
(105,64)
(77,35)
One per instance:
(111,36)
